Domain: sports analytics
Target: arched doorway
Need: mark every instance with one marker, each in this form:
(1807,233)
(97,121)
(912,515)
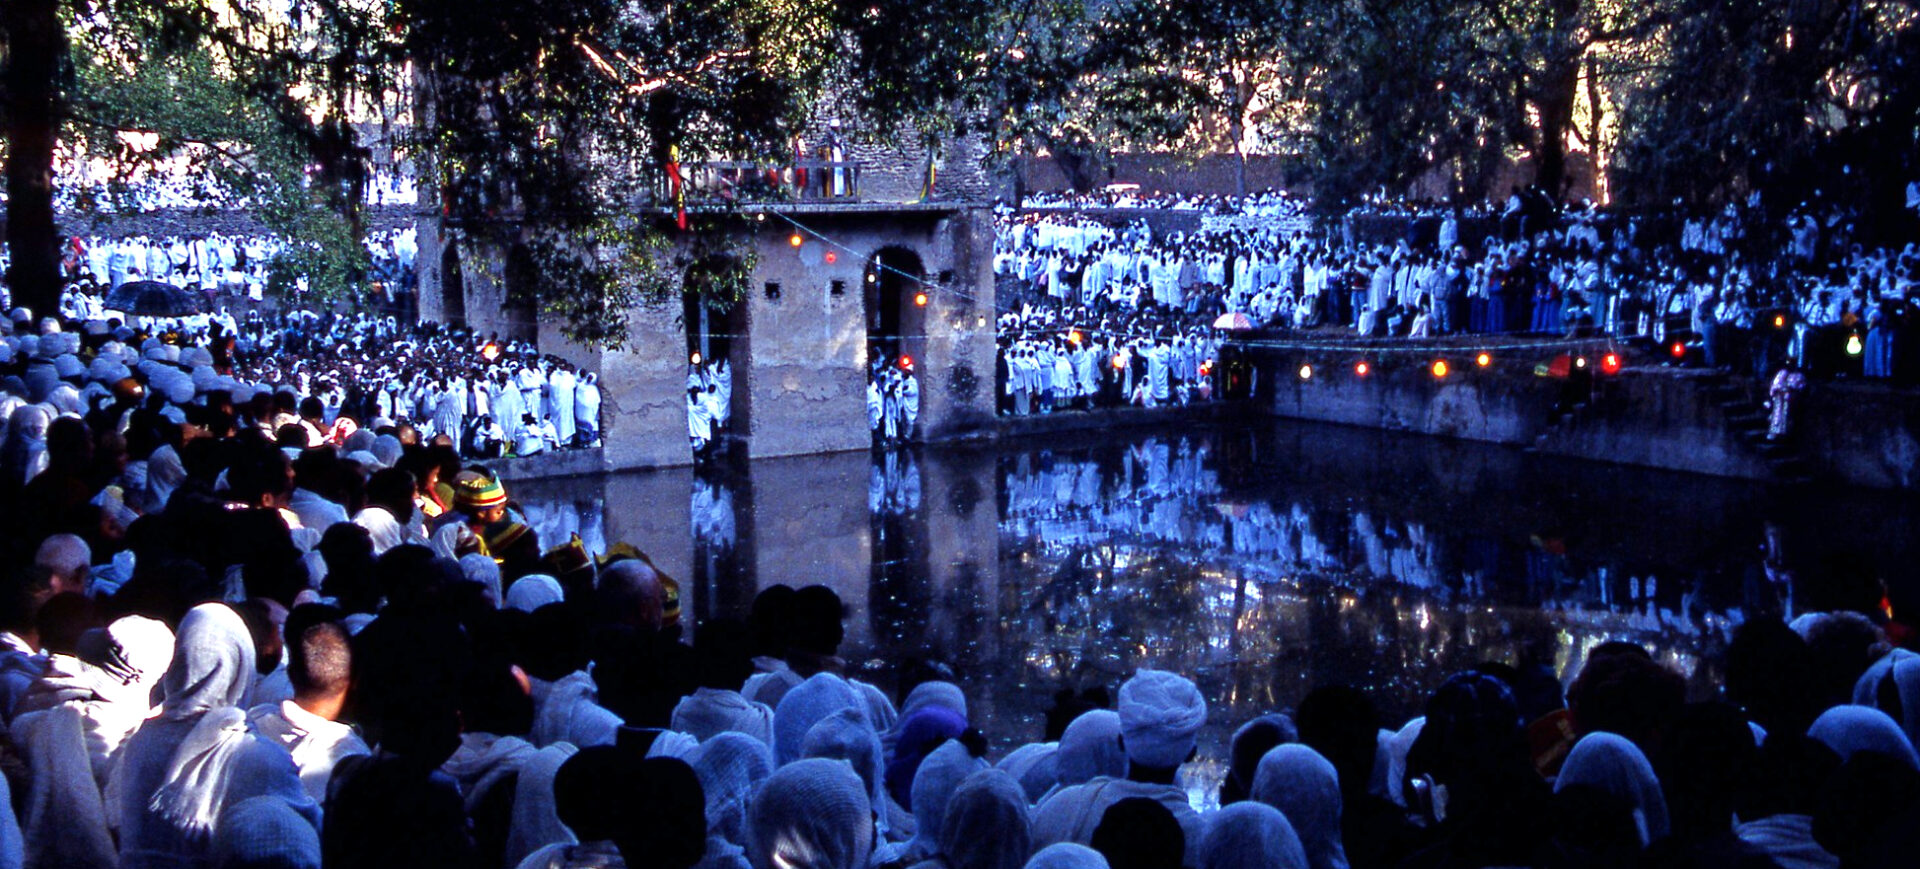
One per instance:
(896,305)
(453,288)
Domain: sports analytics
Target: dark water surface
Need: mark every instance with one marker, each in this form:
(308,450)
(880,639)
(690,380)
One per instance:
(1262,559)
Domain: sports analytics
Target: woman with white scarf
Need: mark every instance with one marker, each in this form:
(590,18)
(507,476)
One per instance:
(1615,766)
(939,776)
(1306,788)
(730,766)
(186,764)
(811,814)
(1250,835)
(987,825)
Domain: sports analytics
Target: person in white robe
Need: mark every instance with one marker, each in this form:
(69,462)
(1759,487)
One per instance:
(562,386)
(196,757)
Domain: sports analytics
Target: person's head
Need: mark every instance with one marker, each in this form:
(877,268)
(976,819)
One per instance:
(1161,714)
(482,498)
(392,488)
(68,560)
(595,792)
(28,589)
(319,659)
(811,814)
(1843,645)
(1770,676)
(1623,690)
(312,410)
(724,649)
(1250,743)
(63,619)
(261,477)
(630,593)
(1341,723)
(1140,833)
(818,621)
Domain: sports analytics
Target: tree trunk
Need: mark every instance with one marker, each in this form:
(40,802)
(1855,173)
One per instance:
(35,41)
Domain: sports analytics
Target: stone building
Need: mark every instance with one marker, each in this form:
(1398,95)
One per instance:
(854,254)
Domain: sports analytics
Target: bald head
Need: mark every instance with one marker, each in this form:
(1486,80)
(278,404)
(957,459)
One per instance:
(69,559)
(630,593)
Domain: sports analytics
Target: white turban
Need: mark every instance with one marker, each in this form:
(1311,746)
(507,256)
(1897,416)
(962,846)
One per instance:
(987,825)
(1160,716)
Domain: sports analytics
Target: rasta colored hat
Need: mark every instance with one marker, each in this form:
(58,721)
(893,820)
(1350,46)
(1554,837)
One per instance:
(474,491)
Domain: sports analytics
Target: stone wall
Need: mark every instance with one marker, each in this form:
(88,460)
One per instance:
(1856,434)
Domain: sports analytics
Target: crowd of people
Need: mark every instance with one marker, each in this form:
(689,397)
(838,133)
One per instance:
(242,676)
(1734,293)
(214,264)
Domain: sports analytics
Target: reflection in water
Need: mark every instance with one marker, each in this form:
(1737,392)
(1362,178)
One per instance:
(1262,559)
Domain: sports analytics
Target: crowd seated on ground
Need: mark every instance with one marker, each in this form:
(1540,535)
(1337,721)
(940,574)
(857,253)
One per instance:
(1732,293)
(241,676)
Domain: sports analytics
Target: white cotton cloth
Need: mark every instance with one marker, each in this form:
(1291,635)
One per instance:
(1849,729)
(846,735)
(184,766)
(943,694)
(383,527)
(566,711)
(114,697)
(1866,689)
(1034,766)
(811,814)
(1160,716)
(315,744)
(1251,835)
(265,833)
(1071,814)
(65,817)
(1067,855)
(934,783)
(772,686)
(986,824)
(482,761)
(482,571)
(1306,788)
(730,767)
(529,593)
(803,707)
(1788,841)
(672,743)
(1614,765)
(1090,748)
(1398,748)
(709,712)
(535,823)
(1906,682)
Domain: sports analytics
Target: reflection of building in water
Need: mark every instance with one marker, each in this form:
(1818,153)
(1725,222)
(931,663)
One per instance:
(1259,566)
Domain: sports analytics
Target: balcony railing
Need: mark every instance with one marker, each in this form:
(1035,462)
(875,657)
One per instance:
(746,182)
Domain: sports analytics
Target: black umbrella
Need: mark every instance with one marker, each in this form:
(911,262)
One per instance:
(154,299)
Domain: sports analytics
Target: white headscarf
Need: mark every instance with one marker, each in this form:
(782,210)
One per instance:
(1251,835)
(1849,729)
(1067,855)
(1034,766)
(1160,715)
(933,787)
(1305,787)
(811,814)
(265,833)
(1089,748)
(803,707)
(730,766)
(529,593)
(480,570)
(987,824)
(1613,765)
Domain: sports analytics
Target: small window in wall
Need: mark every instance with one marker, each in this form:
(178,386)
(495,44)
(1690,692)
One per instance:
(773,291)
(838,288)
(946,276)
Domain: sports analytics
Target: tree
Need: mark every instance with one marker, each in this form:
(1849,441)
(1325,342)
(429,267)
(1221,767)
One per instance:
(34,48)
